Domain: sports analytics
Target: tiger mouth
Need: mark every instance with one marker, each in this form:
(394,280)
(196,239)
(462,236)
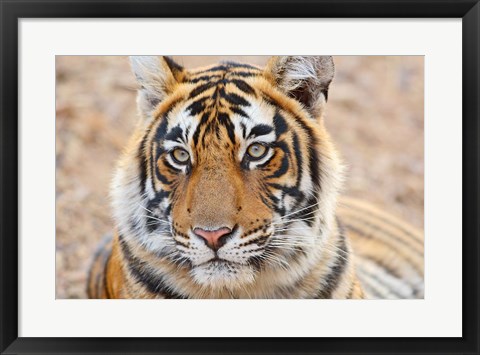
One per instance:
(218,262)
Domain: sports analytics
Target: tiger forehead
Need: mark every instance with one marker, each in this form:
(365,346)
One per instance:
(210,100)
(222,70)
(216,81)
(202,81)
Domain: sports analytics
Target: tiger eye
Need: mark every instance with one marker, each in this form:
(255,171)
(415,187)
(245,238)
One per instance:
(180,155)
(257,151)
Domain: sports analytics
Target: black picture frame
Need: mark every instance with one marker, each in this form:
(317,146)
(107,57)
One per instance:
(12,11)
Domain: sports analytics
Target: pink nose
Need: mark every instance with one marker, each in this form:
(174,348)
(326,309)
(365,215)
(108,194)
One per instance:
(215,239)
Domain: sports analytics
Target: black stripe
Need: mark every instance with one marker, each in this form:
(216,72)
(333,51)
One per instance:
(159,196)
(297,118)
(160,133)
(181,243)
(172,169)
(226,66)
(171,107)
(197,106)
(260,130)
(257,262)
(204,77)
(260,240)
(200,89)
(243,86)
(231,64)
(314,164)
(264,165)
(280,124)
(309,211)
(174,67)
(213,69)
(289,190)
(225,121)
(294,190)
(233,99)
(143,273)
(161,130)
(243,74)
(314,160)
(151,220)
(175,134)
(266,202)
(333,278)
(298,156)
(284,166)
(244,130)
(202,122)
(276,204)
(283,169)
(210,127)
(157,151)
(239,111)
(142,163)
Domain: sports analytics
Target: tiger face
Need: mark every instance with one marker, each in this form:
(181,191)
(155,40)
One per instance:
(230,171)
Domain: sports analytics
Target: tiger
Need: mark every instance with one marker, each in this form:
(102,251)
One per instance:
(229,189)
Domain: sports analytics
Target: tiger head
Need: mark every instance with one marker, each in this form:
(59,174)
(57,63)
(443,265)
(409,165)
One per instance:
(229,171)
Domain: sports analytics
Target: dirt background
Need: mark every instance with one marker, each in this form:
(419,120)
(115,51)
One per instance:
(374,114)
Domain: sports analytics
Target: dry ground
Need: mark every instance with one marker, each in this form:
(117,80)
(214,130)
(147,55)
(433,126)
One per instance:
(375,114)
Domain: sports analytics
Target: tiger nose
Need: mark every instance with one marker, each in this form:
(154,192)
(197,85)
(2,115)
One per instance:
(215,239)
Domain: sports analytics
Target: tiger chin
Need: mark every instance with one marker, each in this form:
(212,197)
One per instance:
(228,188)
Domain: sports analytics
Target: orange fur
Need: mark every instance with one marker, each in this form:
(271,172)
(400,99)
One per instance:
(285,238)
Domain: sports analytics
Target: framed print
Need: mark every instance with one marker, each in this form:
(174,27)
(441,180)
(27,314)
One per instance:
(208,177)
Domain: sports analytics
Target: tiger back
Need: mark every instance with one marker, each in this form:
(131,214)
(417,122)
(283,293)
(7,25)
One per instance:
(388,251)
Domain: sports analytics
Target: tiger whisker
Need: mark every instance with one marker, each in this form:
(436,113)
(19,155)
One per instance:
(145,208)
(154,223)
(302,209)
(287,247)
(299,242)
(274,259)
(336,254)
(332,252)
(293,220)
(289,229)
(157,219)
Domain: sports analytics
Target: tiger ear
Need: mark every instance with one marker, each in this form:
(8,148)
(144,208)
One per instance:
(157,77)
(304,78)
